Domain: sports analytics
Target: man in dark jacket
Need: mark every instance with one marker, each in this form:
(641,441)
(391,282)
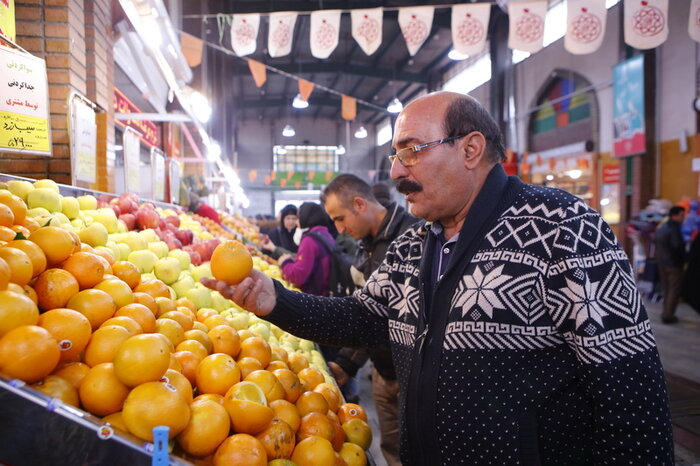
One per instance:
(516,329)
(670,254)
(352,206)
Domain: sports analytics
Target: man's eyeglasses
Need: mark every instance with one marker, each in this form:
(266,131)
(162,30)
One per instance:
(408,156)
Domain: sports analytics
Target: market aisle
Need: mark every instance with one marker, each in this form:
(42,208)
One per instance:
(367,402)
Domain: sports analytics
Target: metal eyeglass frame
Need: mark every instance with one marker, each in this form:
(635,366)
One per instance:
(410,159)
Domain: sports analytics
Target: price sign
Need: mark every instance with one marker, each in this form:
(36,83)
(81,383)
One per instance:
(132,155)
(158,173)
(83,139)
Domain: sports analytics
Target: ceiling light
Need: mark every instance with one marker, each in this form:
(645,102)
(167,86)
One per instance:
(361,133)
(395,106)
(200,105)
(298,102)
(575,174)
(455,55)
(281,150)
(288,131)
(213,151)
(550,177)
(340,150)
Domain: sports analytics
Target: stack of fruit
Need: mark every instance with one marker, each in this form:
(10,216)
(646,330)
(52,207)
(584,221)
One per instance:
(121,326)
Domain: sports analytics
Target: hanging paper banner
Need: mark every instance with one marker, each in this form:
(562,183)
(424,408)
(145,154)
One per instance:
(279,38)
(191,47)
(646,23)
(348,108)
(629,129)
(244,33)
(325,27)
(258,71)
(585,26)
(526,28)
(415,23)
(367,28)
(7,19)
(252,175)
(305,89)
(694,20)
(470,24)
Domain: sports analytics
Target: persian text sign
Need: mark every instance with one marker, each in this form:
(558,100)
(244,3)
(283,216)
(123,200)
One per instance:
(629,132)
(83,138)
(146,129)
(24,110)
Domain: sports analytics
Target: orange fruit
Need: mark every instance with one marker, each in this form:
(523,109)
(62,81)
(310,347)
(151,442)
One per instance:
(315,424)
(58,244)
(147,300)
(16,205)
(16,310)
(184,320)
(280,354)
(116,420)
(248,365)
(21,268)
(33,251)
(106,255)
(174,363)
(94,304)
(155,404)
(141,314)
(30,224)
(201,337)
(311,377)
(26,290)
(164,305)
(311,402)
(7,218)
(314,450)
(291,383)
(297,362)
(189,362)
(58,387)
(231,262)
(7,234)
(214,320)
(76,240)
(266,380)
(212,397)
(225,339)
(20,229)
(86,267)
(170,329)
(287,412)
(128,323)
(196,325)
(101,392)
(241,449)
(70,328)
(154,287)
(358,432)
(118,290)
(104,343)
(353,455)
(54,288)
(193,346)
(348,411)
(338,432)
(247,407)
(74,372)
(278,439)
(180,382)
(142,358)
(209,425)
(258,348)
(204,313)
(330,393)
(187,303)
(216,373)
(274,365)
(128,272)
(187,311)
(5,273)
(29,353)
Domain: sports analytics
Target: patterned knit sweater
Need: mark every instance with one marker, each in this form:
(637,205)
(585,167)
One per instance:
(536,349)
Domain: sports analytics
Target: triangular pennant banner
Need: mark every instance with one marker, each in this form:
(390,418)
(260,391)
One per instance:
(281,32)
(305,89)
(415,23)
(526,26)
(646,23)
(325,27)
(191,48)
(244,33)
(367,28)
(348,108)
(258,71)
(585,26)
(694,21)
(470,24)
(252,175)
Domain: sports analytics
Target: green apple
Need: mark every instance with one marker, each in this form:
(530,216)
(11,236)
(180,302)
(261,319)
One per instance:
(70,207)
(116,252)
(135,241)
(107,250)
(148,276)
(108,218)
(160,248)
(218,302)
(77,223)
(144,259)
(181,256)
(124,251)
(20,188)
(203,270)
(290,340)
(199,295)
(239,319)
(121,226)
(38,212)
(261,329)
(87,202)
(94,234)
(46,198)
(149,234)
(182,285)
(47,184)
(306,345)
(167,270)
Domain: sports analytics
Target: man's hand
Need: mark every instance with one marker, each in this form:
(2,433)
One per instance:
(283,258)
(339,374)
(256,293)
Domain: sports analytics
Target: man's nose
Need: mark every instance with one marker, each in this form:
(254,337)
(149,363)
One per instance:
(340,227)
(397,170)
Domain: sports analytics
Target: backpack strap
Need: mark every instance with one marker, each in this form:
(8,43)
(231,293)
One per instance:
(320,238)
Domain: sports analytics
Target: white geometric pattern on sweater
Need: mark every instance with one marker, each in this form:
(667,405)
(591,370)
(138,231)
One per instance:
(409,302)
(524,233)
(583,299)
(479,290)
(619,294)
(401,332)
(490,335)
(524,296)
(613,344)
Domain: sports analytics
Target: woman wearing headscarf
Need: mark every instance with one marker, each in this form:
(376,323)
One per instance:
(281,239)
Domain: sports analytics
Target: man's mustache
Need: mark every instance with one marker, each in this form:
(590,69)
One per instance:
(405,186)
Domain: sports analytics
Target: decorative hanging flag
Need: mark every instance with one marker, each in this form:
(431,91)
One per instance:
(469,27)
(252,175)
(325,27)
(415,23)
(258,71)
(585,26)
(367,28)
(191,47)
(279,39)
(526,30)
(348,108)
(244,33)
(646,23)
(305,89)
(694,21)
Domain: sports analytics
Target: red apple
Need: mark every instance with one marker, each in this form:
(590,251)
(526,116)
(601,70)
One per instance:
(129,220)
(185,236)
(127,205)
(174,243)
(116,209)
(147,218)
(203,249)
(173,220)
(195,258)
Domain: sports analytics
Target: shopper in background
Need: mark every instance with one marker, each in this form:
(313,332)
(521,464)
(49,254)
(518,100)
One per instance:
(382,193)
(517,333)
(351,204)
(281,239)
(199,207)
(670,255)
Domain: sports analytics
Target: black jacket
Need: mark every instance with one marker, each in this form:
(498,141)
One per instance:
(670,247)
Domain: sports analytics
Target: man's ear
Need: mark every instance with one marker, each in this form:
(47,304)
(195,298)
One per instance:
(359,204)
(474,149)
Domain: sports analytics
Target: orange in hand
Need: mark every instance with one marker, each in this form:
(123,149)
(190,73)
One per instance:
(231,262)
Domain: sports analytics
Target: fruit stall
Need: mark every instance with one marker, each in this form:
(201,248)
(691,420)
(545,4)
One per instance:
(111,349)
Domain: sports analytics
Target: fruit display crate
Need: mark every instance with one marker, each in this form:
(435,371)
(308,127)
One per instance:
(36,429)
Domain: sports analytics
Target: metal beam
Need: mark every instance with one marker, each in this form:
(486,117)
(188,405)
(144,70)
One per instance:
(345,68)
(153,116)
